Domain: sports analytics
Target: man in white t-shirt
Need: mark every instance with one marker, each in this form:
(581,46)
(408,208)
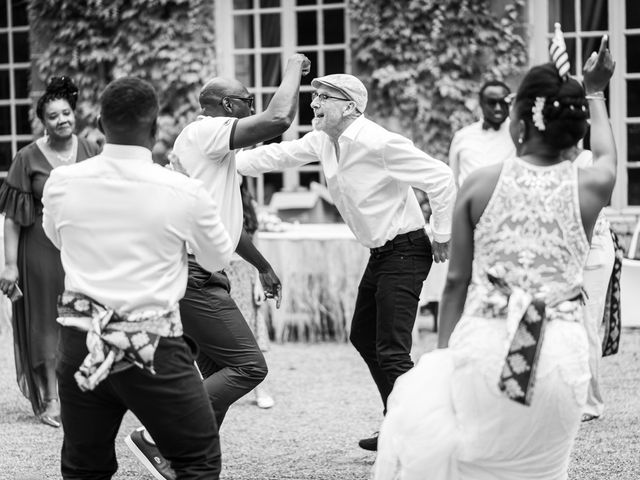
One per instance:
(486,141)
(230,360)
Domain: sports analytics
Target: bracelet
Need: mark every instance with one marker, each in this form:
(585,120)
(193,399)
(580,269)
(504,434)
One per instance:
(595,96)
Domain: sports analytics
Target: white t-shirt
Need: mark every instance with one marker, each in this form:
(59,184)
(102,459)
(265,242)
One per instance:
(203,148)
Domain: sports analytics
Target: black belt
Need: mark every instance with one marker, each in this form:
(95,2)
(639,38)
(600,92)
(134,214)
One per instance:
(403,238)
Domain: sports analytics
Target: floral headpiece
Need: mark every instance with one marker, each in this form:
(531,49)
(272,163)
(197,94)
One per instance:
(560,58)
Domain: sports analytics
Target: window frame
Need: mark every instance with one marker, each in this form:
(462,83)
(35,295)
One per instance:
(224,24)
(617,31)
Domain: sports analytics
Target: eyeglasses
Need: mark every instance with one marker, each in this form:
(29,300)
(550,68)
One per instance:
(503,102)
(248,100)
(324,97)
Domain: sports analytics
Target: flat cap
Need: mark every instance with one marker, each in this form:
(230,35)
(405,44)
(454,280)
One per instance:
(348,85)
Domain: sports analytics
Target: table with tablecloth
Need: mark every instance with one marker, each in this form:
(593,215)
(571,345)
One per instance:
(320,266)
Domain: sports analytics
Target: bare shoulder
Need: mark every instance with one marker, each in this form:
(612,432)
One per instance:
(478,188)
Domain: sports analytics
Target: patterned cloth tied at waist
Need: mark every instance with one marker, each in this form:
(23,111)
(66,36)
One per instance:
(116,341)
(527,319)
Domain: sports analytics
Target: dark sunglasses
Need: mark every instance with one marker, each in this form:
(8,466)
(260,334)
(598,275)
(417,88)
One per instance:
(248,100)
(493,103)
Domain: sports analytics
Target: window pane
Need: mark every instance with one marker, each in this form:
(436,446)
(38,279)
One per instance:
(633,98)
(243,31)
(307,177)
(269,3)
(272,183)
(334,26)
(562,11)
(3,13)
(594,15)
(589,44)
(271,70)
(4,84)
(21,47)
(5,156)
(633,16)
(633,53)
(333,1)
(4,48)
(21,84)
(241,4)
(307,28)
(270,30)
(306,2)
(266,98)
(571,51)
(5,120)
(244,70)
(305,112)
(23,124)
(19,12)
(633,143)
(334,62)
(633,187)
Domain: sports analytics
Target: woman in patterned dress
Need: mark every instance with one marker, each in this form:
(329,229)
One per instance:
(499,400)
(32,263)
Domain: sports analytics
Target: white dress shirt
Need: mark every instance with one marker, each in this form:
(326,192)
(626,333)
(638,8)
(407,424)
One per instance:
(472,148)
(371,183)
(122,223)
(203,148)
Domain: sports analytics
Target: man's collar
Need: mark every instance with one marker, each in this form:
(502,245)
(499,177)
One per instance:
(352,130)
(129,152)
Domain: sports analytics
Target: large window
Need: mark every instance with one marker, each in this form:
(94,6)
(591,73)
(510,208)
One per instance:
(584,22)
(254,40)
(15,126)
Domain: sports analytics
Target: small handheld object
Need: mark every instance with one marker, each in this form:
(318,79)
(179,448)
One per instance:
(16,294)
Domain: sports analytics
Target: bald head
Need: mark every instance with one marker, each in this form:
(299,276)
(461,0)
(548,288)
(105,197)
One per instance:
(217,88)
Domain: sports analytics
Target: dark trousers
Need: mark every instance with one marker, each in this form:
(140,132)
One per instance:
(171,404)
(386,307)
(230,360)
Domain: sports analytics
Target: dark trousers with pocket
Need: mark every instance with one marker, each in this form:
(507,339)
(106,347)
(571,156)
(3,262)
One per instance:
(229,356)
(387,305)
(172,405)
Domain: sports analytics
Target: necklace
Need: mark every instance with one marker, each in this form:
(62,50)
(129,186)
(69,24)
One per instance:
(64,158)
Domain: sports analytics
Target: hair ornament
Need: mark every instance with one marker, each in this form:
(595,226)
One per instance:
(536,113)
(558,52)
(556,103)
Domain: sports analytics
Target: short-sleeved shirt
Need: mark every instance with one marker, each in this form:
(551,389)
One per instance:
(204,150)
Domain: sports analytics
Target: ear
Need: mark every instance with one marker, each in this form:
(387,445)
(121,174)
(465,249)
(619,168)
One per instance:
(522,130)
(100,127)
(226,104)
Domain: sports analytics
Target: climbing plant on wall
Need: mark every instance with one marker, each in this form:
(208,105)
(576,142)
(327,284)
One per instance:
(424,61)
(167,42)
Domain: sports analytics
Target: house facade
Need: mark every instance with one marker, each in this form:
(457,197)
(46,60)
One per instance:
(255,37)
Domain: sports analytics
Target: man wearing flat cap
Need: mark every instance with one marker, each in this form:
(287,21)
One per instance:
(370,173)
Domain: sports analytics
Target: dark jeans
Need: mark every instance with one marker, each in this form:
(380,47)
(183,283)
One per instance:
(171,404)
(230,360)
(386,307)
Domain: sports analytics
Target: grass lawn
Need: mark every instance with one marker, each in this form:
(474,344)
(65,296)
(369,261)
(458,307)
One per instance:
(325,402)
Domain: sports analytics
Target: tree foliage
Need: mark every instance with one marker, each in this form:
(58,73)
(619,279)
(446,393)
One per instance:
(167,42)
(424,61)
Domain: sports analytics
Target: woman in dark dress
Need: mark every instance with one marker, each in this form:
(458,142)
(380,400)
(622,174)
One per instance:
(31,261)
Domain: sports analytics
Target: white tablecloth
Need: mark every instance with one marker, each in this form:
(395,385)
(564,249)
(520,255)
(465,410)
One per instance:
(320,266)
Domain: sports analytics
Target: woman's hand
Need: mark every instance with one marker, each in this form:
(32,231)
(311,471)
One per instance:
(8,279)
(598,69)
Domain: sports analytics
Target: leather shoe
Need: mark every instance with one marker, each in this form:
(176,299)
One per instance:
(370,443)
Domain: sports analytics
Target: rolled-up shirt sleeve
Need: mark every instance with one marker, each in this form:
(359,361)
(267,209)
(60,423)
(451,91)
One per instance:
(411,166)
(278,156)
(208,239)
(52,198)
